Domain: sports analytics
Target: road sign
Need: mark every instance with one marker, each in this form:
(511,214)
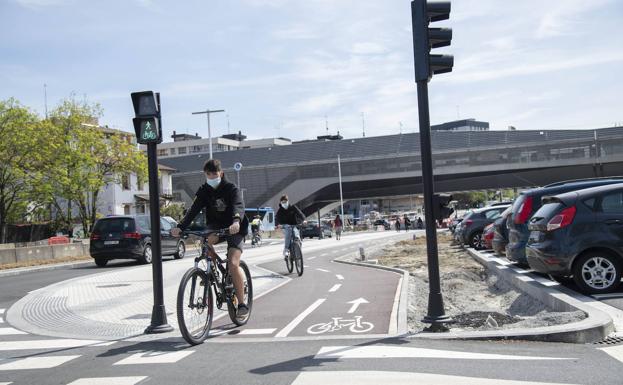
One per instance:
(238,166)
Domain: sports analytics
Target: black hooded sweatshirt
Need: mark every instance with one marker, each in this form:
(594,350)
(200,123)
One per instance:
(223,205)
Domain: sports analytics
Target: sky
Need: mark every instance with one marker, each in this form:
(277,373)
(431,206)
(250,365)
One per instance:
(291,68)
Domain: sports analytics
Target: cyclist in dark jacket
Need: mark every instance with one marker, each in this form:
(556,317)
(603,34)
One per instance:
(224,208)
(288,216)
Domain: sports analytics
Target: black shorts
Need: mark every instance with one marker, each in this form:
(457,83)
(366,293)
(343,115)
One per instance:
(233,241)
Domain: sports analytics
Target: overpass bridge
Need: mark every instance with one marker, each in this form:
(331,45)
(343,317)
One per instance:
(390,165)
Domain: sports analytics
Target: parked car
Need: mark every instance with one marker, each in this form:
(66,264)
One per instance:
(382,222)
(312,230)
(470,230)
(129,237)
(528,202)
(500,232)
(487,236)
(580,234)
(454,223)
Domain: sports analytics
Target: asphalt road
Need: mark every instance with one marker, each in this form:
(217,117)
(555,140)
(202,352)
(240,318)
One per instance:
(277,347)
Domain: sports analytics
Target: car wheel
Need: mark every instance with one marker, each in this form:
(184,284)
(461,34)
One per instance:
(597,272)
(146,258)
(181,250)
(101,262)
(475,240)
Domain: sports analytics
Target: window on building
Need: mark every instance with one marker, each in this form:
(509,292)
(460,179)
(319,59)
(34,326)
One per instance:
(172,151)
(140,209)
(126,209)
(140,184)
(125,182)
(181,150)
(162,152)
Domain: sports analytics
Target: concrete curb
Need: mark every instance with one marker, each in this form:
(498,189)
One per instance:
(403,302)
(594,328)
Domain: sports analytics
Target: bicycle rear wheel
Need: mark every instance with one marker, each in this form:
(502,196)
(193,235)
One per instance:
(298,257)
(232,303)
(195,306)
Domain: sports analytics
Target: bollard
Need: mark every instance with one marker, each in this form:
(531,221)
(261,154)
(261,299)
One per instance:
(362,254)
(414,236)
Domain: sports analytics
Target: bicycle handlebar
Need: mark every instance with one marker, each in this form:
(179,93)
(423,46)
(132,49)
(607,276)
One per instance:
(206,233)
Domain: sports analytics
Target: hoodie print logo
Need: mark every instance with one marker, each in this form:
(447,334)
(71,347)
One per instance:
(220,205)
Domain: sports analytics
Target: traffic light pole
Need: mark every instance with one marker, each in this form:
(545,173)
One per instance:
(158,314)
(436,314)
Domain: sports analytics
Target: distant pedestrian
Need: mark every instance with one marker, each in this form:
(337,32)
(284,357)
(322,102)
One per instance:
(337,225)
(407,222)
(420,223)
(398,224)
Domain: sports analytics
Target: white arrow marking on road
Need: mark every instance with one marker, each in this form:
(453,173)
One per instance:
(154,358)
(404,352)
(356,303)
(339,276)
(109,380)
(399,378)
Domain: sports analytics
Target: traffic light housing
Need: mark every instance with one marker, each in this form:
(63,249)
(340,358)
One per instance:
(147,123)
(424,38)
(441,203)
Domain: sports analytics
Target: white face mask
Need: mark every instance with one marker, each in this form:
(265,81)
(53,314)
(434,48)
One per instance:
(285,205)
(213,182)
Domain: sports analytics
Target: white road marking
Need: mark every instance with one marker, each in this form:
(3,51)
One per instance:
(109,380)
(405,352)
(310,258)
(525,278)
(339,276)
(2,311)
(37,363)
(10,331)
(256,331)
(324,254)
(335,288)
(5,383)
(356,303)
(294,323)
(155,357)
(398,378)
(47,344)
(499,267)
(614,351)
(323,270)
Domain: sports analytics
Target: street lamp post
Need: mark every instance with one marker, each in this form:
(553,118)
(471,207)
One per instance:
(208,112)
(339,171)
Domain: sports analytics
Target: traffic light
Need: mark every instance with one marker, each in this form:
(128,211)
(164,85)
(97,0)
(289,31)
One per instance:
(424,38)
(441,203)
(147,121)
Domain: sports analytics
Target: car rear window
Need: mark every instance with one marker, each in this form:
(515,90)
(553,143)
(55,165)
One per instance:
(116,225)
(518,203)
(547,211)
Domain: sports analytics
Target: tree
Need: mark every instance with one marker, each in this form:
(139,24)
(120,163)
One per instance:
(173,210)
(92,157)
(24,160)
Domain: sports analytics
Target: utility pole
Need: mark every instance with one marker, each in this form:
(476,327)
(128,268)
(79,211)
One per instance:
(339,170)
(208,112)
(363,125)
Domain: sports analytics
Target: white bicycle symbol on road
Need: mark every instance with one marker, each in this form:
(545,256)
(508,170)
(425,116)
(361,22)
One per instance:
(355,326)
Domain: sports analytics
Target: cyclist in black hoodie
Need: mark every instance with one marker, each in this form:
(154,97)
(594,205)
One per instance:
(224,209)
(289,216)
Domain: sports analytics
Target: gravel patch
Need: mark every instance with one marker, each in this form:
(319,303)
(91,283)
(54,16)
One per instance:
(475,299)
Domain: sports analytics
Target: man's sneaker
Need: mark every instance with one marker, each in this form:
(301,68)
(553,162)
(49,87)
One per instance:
(243,310)
(286,254)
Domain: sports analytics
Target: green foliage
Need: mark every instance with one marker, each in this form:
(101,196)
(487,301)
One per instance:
(173,210)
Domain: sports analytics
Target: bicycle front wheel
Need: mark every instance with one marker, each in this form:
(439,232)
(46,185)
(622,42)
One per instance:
(195,307)
(232,303)
(298,257)
(290,261)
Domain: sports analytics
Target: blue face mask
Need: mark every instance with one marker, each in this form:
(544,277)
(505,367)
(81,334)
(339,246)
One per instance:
(285,205)
(214,182)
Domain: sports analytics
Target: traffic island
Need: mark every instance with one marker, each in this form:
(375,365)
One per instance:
(487,299)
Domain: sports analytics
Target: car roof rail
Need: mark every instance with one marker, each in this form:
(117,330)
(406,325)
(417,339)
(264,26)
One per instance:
(564,182)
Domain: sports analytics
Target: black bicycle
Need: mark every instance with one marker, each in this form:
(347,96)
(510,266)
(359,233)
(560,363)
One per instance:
(256,239)
(295,257)
(205,283)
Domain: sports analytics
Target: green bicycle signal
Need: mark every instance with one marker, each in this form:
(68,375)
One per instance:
(149,130)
